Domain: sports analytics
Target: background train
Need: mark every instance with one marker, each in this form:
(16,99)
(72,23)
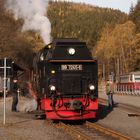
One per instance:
(65,79)
(129,82)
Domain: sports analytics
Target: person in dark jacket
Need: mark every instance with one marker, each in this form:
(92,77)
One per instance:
(15,95)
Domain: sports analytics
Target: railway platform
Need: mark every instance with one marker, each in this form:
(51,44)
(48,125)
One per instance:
(132,100)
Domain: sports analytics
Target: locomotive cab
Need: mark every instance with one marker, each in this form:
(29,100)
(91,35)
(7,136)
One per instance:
(67,79)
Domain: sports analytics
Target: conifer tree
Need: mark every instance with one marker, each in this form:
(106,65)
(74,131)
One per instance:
(135,15)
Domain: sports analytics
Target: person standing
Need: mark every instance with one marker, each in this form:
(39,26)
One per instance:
(109,92)
(15,95)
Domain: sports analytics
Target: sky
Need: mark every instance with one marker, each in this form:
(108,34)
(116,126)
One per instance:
(123,5)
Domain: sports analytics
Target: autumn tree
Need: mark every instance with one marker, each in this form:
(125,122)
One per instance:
(134,15)
(116,48)
(81,21)
(136,52)
(68,19)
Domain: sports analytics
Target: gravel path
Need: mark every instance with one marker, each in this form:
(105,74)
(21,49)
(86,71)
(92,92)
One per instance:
(118,120)
(22,126)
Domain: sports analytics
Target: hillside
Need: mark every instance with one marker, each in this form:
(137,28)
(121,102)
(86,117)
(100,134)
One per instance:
(67,20)
(82,21)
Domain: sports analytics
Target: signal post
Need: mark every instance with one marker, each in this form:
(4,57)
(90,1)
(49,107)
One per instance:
(5,71)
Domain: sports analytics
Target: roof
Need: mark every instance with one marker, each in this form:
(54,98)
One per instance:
(67,41)
(135,72)
(62,45)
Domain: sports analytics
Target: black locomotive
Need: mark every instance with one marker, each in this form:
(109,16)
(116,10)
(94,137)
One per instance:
(65,79)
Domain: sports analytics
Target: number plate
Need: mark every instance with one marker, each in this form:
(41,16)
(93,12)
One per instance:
(71,67)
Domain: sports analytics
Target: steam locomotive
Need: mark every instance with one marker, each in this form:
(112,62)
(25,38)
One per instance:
(64,76)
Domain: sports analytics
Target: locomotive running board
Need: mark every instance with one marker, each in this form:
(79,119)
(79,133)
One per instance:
(73,61)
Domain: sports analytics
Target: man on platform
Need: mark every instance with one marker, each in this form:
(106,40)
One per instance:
(15,89)
(109,92)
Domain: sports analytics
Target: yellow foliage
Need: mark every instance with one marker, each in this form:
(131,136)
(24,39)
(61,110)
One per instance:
(119,43)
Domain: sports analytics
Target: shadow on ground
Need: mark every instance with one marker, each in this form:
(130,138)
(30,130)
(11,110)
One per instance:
(103,111)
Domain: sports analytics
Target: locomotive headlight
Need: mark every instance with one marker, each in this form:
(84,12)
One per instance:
(52,88)
(52,71)
(71,51)
(91,87)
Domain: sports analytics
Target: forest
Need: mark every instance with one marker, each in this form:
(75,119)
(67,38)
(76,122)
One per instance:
(112,36)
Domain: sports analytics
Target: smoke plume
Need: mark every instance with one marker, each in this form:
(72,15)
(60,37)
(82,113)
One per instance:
(33,12)
(27,105)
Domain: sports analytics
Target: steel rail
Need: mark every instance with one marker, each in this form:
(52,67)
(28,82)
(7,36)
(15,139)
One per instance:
(107,131)
(131,108)
(75,133)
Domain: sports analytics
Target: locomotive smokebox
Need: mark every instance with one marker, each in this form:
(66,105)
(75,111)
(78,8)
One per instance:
(76,105)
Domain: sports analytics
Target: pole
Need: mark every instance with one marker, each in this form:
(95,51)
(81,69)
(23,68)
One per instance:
(103,72)
(103,80)
(118,69)
(4,92)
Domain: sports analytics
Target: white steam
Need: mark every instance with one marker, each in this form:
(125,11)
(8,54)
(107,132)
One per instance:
(27,105)
(33,12)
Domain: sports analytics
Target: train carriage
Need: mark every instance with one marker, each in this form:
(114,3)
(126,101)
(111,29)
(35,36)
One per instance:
(129,83)
(65,80)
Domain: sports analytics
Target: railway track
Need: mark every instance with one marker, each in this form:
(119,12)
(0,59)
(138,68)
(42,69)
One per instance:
(135,110)
(73,131)
(90,131)
(107,131)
